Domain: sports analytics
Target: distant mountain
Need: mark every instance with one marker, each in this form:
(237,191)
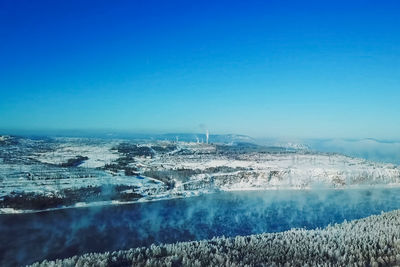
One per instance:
(371,149)
(186,137)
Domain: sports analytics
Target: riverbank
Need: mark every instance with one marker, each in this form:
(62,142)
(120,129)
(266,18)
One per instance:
(187,194)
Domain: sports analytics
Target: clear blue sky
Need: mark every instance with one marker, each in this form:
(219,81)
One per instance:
(263,68)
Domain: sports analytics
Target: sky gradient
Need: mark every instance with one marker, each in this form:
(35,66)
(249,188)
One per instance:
(263,68)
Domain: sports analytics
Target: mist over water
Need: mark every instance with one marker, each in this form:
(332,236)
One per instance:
(370,149)
(49,235)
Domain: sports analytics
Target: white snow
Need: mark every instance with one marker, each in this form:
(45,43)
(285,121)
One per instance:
(99,154)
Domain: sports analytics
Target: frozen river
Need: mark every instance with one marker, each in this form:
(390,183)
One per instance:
(63,233)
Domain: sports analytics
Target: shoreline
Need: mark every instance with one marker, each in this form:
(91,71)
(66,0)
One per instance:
(11,211)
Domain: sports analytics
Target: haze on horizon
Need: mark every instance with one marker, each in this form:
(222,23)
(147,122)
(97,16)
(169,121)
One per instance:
(262,68)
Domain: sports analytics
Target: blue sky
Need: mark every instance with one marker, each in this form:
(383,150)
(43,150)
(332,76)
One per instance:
(263,68)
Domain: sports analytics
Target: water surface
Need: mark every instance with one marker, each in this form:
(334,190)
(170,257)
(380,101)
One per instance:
(26,238)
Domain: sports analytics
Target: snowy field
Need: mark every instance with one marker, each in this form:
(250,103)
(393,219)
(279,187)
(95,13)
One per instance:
(98,152)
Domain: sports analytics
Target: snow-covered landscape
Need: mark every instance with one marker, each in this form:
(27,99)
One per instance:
(83,181)
(47,173)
